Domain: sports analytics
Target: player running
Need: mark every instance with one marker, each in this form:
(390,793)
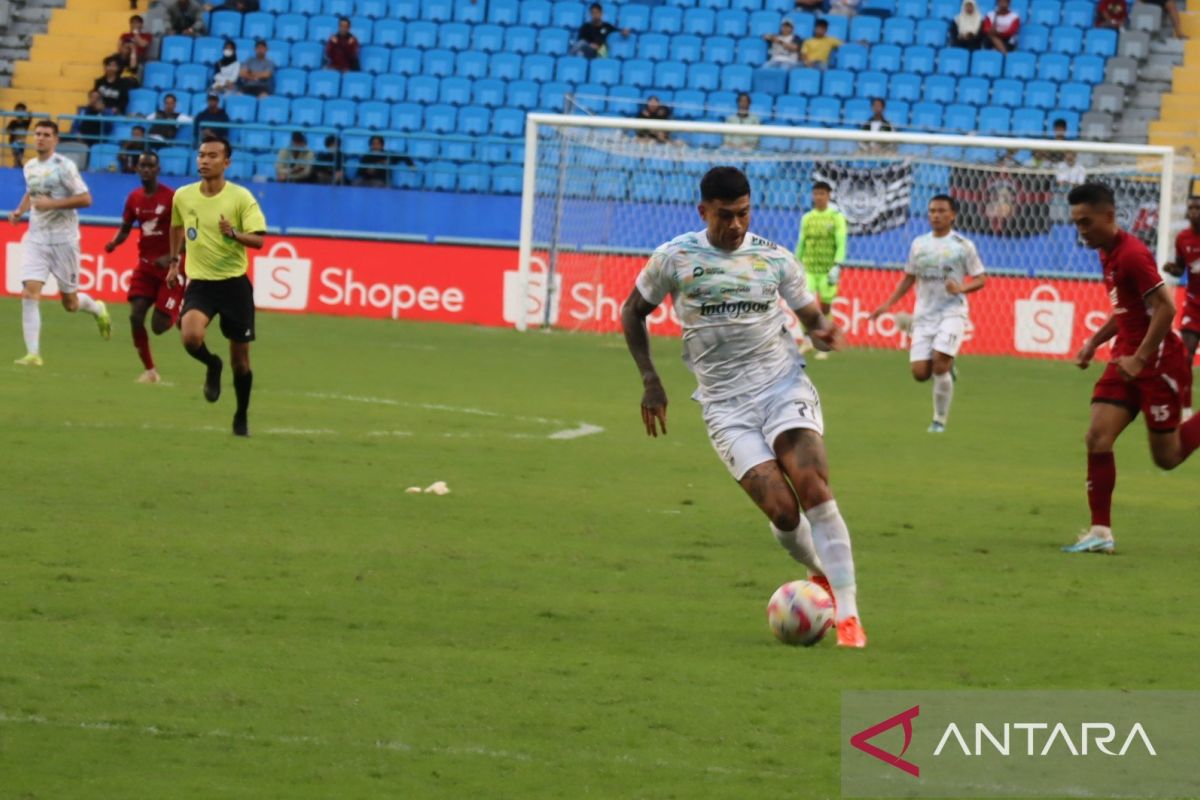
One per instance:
(220,220)
(54,192)
(946,268)
(821,248)
(1187,266)
(762,412)
(1148,371)
(150,208)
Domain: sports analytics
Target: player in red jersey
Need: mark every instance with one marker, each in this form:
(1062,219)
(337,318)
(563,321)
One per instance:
(1187,263)
(150,208)
(1149,371)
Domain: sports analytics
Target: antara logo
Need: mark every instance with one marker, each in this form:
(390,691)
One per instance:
(861,740)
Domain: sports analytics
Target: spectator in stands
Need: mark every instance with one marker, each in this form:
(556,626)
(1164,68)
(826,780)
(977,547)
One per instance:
(92,127)
(1000,27)
(241,6)
(1053,156)
(1069,173)
(341,51)
(18,127)
(295,162)
(1171,8)
(653,109)
(878,122)
(742,117)
(113,89)
(816,50)
(811,6)
(847,8)
(212,113)
(132,148)
(1111,14)
(375,168)
(137,37)
(592,39)
(330,167)
(228,70)
(185,19)
(165,131)
(258,73)
(784,52)
(966,29)
(131,67)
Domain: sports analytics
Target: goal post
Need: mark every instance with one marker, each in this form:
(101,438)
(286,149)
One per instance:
(597,199)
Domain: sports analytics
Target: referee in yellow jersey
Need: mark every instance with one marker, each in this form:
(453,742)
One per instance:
(220,220)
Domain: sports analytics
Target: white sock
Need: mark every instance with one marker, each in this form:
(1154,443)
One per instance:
(799,543)
(943,393)
(832,539)
(31,324)
(87,305)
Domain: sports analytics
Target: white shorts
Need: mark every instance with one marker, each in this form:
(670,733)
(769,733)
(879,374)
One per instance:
(941,334)
(743,429)
(40,261)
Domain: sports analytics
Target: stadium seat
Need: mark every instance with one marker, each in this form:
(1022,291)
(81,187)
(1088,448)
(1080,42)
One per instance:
(825,111)
(274,110)
(1029,122)
(839,26)
(538,68)
(536,13)
(882,58)
(927,116)
(321,27)
(338,8)
(390,88)
(143,102)
(688,104)
(1078,14)
(736,78)
(913,9)
(764,22)
(900,31)
(1100,42)
(751,52)
(1075,96)
(421,34)
(722,102)
(770,81)
(960,118)
(406,61)
(898,112)
(507,66)
(307,8)
(158,75)
(732,22)
(407,117)
(175,160)
(389,33)
(1086,69)
(878,8)
(634,16)
(567,14)
(604,71)
(1066,40)
(176,49)
(704,76)
(791,109)
(1040,94)
(622,47)
(375,9)
(339,113)
(468,11)
(553,41)
(507,179)
(438,63)
(489,92)
(275,7)
(239,107)
(1049,14)
(918,59)
(1033,38)
(474,177)
(699,21)
(940,89)
(954,61)
(670,75)
(509,122)
(623,101)
(1069,117)
(324,83)
(454,36)
(474,120)
(665,19)
(804,81)
(257,25)
(851,56)
(856,111)
(866,29)
(572,69)
(1131,44)
(719,50)
(1121,71)
(523,95)
(803,23)
(685,48)
(932,33)
(225,24)
(307,55)
(455,91)
(191,77)
(520,39)
(307,111)
(1054,67)
(653,46)
(1021,65)
(974,91)
(994,121)
(871,84)
(987,64)
(838,83)
(373,115)
(470,64)
(1008,92)
(503,12)
(257,140)
(440,176)
(423,89)
(635,72)
(905,86)
(374,59)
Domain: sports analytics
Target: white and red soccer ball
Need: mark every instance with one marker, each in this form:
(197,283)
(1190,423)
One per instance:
(800,612)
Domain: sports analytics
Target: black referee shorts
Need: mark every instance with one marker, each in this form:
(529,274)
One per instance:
(231,299)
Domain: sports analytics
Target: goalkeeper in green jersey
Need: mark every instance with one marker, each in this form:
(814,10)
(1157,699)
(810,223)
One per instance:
(821,247)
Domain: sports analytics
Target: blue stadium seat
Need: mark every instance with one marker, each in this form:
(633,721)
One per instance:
(764,22)
(158,75)
(685,48)
(375,9)
(940,89)
(1033,38)
(437,10)
(634,16)
(507,179)
(305,8)
(257,140)
(176,49)
(1040,94)
(374,59)
(274,6)
(407,116)
(732,22)
(825,111)
(878,8)
(390,88)
(804,81)
(913,9)
(1029,122)
(604,71)
(438,63)
(864,29)
(851,56)
(553,41)
(1075,96)
(340,113)
(258,25)
(1086,69)
(1008,92)
(440,176)
(239,107)
(537,67)
(905,86)
(899,30)
(474,120)
(454,36)
(389,32)
(887,58)
(520,39)
(960,118)
(421,34)
(919,59)
(535,13)
(307,55)
(470,64)
(468,11)
(569,14)
(338,8)
(932,33)
(510,121)
(927,116)
(1020,65)
(994,121)
(505,66)
(1078,14)
(954,61)
(770,81)
(898,112)
(665,19)
(838,83)
(791,108)
(622,47)
(144,102)
(474,177)
(635,72)
(523,94)
(736,78)
(274,110)
(699,21)
(719,50)
(751,52)
(291,82)
(307,111)
(1054,67)
(175,160)
(1066,40)
(856,111)
(670,75)
(455,91)
(803,23)
(191,77)
(321,27)
(225,24)
(654,46)
(423,89)
(722,102)
(406,61)
(839,26)
(1069,117)
(572,69)
(503,12)
(987,64)
(1100,42)
(373,115)
(974,91)
(871,84)
(704,76)
(324,83)
(489,92)
(488,38)
(622,101)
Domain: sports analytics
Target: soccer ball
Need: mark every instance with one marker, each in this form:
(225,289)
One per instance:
(800,612)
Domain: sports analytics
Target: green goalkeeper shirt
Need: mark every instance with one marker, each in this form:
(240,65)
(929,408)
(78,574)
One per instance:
(822,244)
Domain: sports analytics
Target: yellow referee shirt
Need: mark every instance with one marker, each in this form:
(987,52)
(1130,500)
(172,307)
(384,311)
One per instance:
(211,256)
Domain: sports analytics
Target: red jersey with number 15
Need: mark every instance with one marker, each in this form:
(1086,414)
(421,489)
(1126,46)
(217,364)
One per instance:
(1187,256)
(153,215)
(1129,275)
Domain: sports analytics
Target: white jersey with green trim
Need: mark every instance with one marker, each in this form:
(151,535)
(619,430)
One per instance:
(735,335)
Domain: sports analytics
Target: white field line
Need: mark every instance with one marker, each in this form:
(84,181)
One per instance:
(392,745)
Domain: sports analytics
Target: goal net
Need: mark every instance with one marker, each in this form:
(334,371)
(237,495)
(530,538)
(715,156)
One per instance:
(601,193)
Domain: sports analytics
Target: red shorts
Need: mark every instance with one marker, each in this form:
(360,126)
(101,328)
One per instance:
(1191,317)
(148,281)
(1160,395)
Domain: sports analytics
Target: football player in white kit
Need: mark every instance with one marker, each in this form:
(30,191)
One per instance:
(945,266)
(53,193)
(762,412)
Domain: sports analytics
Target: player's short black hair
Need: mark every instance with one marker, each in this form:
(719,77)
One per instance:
(148,154)
(1092,194)
(946,199)
(47,123)
(213,137)
(1060,123)
(822,185)
(724,183)
(821,23)
(170,95)
(373,139)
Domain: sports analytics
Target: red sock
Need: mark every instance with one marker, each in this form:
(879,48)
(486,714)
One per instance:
(1101,479)
(1189,435)
(141,340)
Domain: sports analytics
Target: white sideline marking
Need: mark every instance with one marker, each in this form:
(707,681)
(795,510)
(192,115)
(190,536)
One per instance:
(584,429)
(388,401)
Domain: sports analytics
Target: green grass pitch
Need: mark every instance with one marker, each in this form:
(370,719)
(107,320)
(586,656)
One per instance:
(186,615)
